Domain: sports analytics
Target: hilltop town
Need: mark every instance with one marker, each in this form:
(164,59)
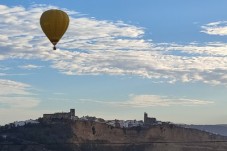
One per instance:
(66,131)
(70,116)
(115,123)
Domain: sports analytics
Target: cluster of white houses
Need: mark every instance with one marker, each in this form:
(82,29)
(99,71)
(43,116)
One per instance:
(134,123)
(124,124)
(22,123)
(71,116)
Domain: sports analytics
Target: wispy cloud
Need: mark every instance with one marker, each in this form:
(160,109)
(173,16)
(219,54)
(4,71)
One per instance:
(16,95)
(18,102)
(94,47)
(12,74)
(3,74)
(154,100)
(30,66)
(215,28)
(59,93)
(143,101)
(4,68)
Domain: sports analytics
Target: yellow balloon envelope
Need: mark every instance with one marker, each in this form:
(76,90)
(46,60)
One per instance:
(54,24)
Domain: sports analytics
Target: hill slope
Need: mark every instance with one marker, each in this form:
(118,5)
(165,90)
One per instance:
(215,129)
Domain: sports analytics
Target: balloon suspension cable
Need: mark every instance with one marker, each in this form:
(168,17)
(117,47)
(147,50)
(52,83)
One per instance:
(54,48)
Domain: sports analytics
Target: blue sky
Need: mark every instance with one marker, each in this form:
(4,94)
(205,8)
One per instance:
(117,60)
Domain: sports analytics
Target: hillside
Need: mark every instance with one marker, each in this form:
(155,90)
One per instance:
(86,136)
(215,129)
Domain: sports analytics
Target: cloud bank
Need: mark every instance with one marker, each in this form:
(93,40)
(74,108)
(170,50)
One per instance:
(93,47)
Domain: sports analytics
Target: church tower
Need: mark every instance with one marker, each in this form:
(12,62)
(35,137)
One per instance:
(72,112)
(145,117)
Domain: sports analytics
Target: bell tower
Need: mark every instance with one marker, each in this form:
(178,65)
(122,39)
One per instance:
(145,117)
(72,112)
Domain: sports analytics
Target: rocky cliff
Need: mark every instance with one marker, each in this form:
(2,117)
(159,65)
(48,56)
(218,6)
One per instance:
(92,136)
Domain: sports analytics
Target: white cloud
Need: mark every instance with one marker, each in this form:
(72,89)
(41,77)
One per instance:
(154,100)
(143,101)
(215,28)
(16,95)
(94,47)
(13,87)
(10,74)
(30,66)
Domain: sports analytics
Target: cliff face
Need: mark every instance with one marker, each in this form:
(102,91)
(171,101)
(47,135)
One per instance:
(147,139)
(99,131)
(87,136)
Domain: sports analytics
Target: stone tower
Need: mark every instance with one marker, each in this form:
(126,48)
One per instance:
(72,112)
(145,117)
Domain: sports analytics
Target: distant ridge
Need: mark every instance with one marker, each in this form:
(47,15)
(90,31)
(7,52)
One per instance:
(220,129)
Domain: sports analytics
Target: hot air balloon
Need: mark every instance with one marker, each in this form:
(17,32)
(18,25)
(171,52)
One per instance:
(54,24)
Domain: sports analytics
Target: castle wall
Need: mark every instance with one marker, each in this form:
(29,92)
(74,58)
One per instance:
(67,115)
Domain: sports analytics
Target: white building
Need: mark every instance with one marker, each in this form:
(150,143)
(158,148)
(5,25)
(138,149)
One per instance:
(132,123)
(19,123)
(125,124)
(22,123)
